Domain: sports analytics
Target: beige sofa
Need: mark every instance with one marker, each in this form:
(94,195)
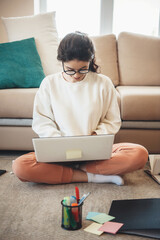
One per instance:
(132,61)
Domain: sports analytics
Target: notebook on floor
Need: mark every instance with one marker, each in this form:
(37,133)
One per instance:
(139,216)
(77,148)
(154,172)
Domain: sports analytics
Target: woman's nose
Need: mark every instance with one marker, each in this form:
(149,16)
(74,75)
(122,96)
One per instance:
(77,74)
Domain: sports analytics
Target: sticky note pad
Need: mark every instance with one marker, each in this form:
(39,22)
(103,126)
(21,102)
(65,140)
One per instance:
(72,154)
(102,218)
(111,227)
(91,214)
(93,228)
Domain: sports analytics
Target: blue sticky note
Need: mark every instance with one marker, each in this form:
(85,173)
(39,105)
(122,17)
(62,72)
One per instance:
(102,218)
(92,214)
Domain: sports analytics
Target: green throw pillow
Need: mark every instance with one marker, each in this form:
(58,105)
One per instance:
(20,65)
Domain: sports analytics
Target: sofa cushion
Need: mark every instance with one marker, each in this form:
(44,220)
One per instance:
(17,103)
(106,56)
(139,59)
(16,138)
(43,28)
(140,103)
(20,65)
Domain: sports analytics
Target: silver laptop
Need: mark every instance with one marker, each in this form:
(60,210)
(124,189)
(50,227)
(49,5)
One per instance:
(77,148)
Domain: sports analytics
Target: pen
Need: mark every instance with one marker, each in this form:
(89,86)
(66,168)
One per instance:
(75,211)
(83,198)
(73,200)
(77,194)
(67,201)
(66,217)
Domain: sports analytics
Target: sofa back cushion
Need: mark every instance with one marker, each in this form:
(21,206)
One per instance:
(139,59)
(43,28)
(106,56)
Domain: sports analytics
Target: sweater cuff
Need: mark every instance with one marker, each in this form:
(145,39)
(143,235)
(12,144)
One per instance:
(99,131)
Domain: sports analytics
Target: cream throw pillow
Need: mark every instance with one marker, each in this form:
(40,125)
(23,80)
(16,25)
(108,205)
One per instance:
(43,28)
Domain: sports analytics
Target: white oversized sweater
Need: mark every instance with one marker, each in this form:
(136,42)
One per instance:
(63,108)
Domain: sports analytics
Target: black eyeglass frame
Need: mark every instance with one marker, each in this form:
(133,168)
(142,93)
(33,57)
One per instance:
(73,72)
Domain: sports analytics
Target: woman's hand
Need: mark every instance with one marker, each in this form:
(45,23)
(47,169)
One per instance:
(93,133)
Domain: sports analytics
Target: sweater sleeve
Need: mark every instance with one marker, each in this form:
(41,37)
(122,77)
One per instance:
(110,121)
(43,117)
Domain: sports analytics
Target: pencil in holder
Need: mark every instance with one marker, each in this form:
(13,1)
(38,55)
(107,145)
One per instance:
(71,216)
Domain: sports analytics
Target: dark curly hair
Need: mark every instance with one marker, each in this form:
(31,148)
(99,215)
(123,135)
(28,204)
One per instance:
(78,46)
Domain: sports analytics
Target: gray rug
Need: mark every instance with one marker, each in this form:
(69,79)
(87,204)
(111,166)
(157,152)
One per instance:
(30,211)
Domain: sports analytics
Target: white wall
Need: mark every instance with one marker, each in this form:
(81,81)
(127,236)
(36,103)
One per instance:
(14,8)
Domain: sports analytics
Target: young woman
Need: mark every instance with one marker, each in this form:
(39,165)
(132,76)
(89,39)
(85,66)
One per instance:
(78,101)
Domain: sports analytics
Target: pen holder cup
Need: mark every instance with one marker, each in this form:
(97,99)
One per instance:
(71,216)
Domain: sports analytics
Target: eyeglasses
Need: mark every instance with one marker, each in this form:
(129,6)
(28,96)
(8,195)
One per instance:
(72,72)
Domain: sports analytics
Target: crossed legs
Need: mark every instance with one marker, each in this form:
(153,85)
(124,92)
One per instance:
(126,157)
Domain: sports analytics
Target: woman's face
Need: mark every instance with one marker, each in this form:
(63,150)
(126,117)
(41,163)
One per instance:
(81,68)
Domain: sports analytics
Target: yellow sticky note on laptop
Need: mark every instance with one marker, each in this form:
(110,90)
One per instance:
(73,154)
(93,228)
